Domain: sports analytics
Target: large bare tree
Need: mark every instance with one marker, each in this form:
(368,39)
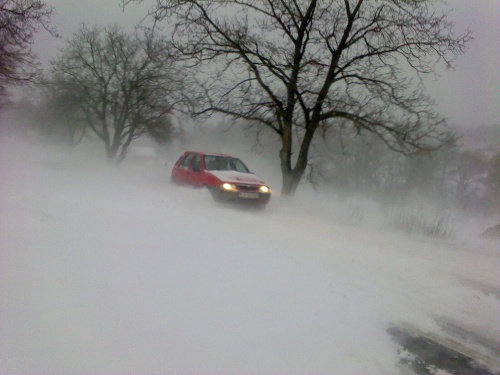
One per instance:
(19,22)
(124,83)
(297,66)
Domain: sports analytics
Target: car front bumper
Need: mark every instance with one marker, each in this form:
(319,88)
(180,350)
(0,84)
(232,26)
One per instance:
(245,197)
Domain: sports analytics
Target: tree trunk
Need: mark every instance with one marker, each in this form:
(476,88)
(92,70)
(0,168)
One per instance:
(125,146)
(292,177)
(111,152)
(290,184)
(122,155)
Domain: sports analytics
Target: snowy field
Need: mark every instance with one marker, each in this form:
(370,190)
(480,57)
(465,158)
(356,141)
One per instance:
(106,271)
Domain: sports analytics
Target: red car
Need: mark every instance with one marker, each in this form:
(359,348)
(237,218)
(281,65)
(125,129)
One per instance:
(227,178)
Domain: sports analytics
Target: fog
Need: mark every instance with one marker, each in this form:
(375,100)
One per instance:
(109,270)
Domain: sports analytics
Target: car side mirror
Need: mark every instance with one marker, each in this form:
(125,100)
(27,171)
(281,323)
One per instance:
(196,169)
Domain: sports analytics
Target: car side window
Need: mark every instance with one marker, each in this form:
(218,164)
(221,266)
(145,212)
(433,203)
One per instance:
(209,162)
(187,160)
(196,164)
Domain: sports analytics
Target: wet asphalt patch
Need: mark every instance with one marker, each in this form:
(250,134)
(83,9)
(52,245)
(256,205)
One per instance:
(426,354)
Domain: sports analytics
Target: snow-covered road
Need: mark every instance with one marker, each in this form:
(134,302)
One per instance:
(108,271)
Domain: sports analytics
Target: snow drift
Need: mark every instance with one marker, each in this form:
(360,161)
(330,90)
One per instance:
(107,271)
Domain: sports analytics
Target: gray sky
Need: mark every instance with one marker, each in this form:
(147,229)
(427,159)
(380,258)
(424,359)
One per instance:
(468,95)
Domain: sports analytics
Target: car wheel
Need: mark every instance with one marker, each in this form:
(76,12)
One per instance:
(259,206)
(216,195)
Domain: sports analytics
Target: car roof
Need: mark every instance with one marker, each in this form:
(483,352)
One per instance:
(209,153)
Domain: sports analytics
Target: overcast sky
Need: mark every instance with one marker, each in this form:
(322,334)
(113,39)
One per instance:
(468,95)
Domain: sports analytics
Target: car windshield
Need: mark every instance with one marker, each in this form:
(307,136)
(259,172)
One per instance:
(224,163)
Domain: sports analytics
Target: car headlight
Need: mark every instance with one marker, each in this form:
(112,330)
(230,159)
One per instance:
(264,189)
(229,187)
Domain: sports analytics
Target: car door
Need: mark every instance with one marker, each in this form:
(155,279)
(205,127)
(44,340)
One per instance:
(183,169)
(195,171)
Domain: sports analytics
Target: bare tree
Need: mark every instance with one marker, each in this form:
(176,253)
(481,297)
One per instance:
(297,66)
(124,84)
(60,117)
(19,22)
